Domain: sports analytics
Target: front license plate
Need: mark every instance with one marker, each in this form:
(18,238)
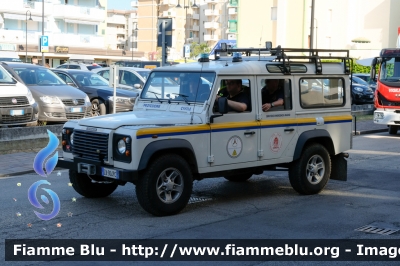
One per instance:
(109,173)
(16,112)
(76,110)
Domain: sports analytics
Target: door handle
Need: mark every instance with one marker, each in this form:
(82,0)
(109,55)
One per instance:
(289,130)
(249,133)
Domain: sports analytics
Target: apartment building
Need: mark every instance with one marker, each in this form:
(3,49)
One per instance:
(122,31)
(362,26)
(201,21)
(72,27)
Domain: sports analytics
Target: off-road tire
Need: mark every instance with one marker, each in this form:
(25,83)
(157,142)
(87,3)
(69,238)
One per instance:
(89,189)
(158,193)
(98,108)
(302,176)
(393,130)
(239,177)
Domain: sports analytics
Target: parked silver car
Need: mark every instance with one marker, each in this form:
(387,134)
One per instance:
(58,102)
(128,76)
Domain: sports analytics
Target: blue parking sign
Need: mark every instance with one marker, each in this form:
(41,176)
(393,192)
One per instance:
(44,44)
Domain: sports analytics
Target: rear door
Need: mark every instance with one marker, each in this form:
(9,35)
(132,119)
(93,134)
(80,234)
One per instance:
(278,124)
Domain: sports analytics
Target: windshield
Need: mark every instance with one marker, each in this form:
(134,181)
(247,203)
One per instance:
(9,59)
(360,81)
(390,70)
(178,86)
(38,76)
(90,79)
(5,77)
(144,74)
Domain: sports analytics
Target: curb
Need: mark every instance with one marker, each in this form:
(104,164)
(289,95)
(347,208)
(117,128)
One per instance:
(24,172)
(370,131)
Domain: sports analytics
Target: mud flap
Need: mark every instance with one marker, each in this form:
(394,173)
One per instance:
(339,167)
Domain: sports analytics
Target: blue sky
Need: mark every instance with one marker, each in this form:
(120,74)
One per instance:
(119,4)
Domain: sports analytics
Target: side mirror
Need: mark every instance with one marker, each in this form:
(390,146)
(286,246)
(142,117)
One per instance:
(137,86)
(71,84)
(223,105)
(222,108)
(373,69)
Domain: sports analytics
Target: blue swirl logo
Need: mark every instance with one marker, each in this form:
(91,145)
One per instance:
(32,198)
(44,153)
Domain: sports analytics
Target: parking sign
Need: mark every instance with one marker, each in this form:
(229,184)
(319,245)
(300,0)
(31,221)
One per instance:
(187,50)
(44,44)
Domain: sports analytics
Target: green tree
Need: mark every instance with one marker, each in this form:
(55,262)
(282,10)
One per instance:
(196,49)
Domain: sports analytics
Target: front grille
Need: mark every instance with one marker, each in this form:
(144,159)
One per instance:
(9,119)
(90,145)
(71,116)
(69,102)
(7,101)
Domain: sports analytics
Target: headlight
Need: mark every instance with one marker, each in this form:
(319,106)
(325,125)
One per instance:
(121,146)
(71,138)
(358,89)
(50,99)
(124,100)
(30,97)
(378,115)
(87,100)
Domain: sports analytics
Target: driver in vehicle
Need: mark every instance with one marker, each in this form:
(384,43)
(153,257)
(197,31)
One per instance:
(238,99)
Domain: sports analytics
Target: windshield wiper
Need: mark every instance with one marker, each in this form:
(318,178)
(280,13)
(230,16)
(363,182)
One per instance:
(155,94)
(184,97)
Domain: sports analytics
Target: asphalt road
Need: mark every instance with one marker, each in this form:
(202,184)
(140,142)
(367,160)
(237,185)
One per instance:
(265,207)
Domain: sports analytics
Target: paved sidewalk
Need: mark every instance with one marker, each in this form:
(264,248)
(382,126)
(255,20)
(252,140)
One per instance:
(20,163)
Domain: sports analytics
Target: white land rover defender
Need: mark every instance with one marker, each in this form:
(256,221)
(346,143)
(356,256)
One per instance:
(177,134)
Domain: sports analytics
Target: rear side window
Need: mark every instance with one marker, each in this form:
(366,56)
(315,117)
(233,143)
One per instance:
(105,74)
(74,67)
(321,92)
(92,67)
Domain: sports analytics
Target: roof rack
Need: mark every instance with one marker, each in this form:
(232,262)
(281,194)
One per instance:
(314,55)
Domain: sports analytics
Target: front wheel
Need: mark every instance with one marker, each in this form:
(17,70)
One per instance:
(393,130)
(165,187)
(88,188)
(98,108)
(309,174)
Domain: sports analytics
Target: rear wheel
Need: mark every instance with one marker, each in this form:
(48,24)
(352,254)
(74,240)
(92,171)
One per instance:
(309,174)
(393,130)
(239,177)
(88,188)
(165,187)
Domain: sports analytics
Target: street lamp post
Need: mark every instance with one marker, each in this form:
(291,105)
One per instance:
(136,28)
(186,7)
(26,34)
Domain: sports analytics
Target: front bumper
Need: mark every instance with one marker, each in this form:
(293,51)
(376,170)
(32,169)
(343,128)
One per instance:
(94,167)
(363,98)
(60,113)
(21,115)
(390,118)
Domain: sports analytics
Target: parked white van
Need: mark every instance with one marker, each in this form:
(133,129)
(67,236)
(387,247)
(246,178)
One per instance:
(17,106)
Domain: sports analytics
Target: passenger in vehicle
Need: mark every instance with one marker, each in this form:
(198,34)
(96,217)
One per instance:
(238,99)
(271,94)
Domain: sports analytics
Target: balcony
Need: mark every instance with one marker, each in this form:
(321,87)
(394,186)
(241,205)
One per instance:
(211,1)
(211,38)
(196,16)
(85,15)
(120,31)
(211,12)
(195,28)
(116,20)
(169,2)
(21,6)
(232,11)
(211,25)
(168,14)
(55,39)
(196,39)
(135,4)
